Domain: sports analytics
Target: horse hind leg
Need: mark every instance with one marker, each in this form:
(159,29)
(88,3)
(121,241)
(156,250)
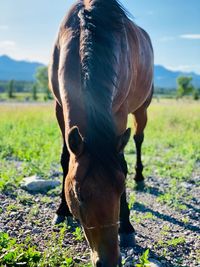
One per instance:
(140,121)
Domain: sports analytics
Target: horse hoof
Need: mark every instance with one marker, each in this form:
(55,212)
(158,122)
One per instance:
(139,177)
(140,185)
(127,240)
(58,219)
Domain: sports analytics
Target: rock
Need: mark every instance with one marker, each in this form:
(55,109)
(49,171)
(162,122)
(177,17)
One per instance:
(130,252)
(155,263)
(187,185)
(36,184)
(36,231)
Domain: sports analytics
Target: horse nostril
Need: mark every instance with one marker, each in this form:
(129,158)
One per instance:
(98,264)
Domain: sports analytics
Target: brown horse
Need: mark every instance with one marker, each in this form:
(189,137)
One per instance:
(101,70)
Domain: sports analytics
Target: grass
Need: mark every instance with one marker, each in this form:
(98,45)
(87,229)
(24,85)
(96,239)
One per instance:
(144,259)
(31,143)
(172,144)
(172,242)
(140,218)
(14,254)
(30,136)
(78,234)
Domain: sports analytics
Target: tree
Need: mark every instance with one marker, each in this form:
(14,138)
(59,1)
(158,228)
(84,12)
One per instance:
(42,81)
(10,89)
(196,94)
(185,86)
(34,91)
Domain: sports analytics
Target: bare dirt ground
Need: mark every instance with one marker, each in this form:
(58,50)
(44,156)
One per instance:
(171,233)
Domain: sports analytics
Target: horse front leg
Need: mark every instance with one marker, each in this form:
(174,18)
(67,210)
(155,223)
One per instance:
(126,230)
(63,210)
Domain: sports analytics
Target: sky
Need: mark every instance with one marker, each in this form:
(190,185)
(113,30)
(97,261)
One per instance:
(28,29)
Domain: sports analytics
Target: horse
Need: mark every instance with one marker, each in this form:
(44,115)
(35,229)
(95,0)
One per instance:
(101,70)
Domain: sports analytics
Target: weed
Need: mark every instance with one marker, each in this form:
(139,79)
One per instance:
(175,241)
(12,207)
(12,253)
(144,259)
(173,196)
(171,242)
(34,211)
(46,200)
(185,220)
(138,218)
(25,200)
(132,199)
(78,234)
(165,230)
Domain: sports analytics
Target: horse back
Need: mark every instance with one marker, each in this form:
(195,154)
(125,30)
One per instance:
(137,74)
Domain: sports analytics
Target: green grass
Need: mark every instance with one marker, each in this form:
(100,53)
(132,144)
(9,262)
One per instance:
(14,254)
(31,143)
(144,259)
(171,147)
(30,136)
(172,144)
(78,234)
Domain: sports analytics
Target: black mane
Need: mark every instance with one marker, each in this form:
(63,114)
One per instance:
(100,25)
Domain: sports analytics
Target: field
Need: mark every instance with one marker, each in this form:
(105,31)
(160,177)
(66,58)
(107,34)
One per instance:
(165,214)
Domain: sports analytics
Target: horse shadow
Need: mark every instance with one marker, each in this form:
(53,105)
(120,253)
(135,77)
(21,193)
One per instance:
(156,192)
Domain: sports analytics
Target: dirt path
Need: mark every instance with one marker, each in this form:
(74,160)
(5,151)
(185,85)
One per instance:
(168,227)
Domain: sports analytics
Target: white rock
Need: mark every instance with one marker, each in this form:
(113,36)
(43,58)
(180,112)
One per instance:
(187,185)
(155,263)
(36,184)
(130,252)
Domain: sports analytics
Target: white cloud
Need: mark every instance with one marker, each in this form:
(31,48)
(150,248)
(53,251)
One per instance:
(190,36)
(6,44)
(7,47)
(185,68)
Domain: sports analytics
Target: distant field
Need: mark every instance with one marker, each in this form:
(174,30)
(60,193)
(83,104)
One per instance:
(21,97)
(30,143)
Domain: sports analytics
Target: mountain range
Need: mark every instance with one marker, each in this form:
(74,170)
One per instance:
(25,71)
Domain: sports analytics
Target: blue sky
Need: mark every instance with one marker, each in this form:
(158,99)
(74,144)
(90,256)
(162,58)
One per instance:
(28,29)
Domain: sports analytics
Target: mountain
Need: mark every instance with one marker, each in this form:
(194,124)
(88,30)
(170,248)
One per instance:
(167,79)
(17,70)
(25,71)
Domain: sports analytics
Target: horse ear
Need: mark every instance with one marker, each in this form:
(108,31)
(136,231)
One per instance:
(75,141)
(123,140)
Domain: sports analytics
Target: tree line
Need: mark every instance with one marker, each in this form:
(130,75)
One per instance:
(40,85)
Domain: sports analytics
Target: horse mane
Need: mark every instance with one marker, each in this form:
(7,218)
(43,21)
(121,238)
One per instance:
(99,26)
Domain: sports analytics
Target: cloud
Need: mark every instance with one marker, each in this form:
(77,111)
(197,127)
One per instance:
(190,36)
(7,44)
(185,68)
